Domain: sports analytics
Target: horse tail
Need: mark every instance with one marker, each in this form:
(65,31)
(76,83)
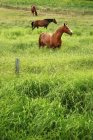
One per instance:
(32,24)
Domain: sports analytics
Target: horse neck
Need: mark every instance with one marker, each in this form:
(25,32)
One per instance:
(59,32)
(49,20)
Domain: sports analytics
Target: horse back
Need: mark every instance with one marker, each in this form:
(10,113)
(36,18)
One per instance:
(41,23)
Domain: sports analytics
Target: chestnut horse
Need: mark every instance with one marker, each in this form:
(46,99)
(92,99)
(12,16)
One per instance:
(54,40)
(42,23)
(33,10)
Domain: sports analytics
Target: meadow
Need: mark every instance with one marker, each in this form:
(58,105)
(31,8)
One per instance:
(52,97)
(62,4)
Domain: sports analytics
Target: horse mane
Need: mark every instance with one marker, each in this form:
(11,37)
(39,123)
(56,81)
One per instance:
(49,20)
(59,29)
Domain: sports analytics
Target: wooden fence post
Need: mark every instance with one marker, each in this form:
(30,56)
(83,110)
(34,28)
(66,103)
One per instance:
(17,66)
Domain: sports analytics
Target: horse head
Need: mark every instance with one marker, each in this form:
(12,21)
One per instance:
(54,21)
(67,29)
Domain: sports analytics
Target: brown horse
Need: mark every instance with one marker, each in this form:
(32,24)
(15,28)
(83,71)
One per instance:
(33,10)
(42,23)
(54,40)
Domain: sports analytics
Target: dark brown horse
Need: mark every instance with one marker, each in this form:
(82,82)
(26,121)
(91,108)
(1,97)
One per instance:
(33,10)
(42,23)
(54,40)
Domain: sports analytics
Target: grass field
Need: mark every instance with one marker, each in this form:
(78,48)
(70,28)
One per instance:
(52,97)
(57,4)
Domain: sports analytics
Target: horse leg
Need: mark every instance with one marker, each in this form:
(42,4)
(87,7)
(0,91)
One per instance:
(45,26)
(33,13)
(33,27)
(59,47)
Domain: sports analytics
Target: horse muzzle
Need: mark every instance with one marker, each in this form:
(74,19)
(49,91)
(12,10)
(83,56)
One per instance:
(70,33)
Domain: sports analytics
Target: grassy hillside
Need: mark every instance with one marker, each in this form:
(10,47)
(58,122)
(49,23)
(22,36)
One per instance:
(64,4)
(52,97)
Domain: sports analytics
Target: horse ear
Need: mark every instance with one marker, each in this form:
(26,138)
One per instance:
(64,24)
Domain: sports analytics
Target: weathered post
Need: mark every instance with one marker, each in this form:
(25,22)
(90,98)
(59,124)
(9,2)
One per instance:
(17,66)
